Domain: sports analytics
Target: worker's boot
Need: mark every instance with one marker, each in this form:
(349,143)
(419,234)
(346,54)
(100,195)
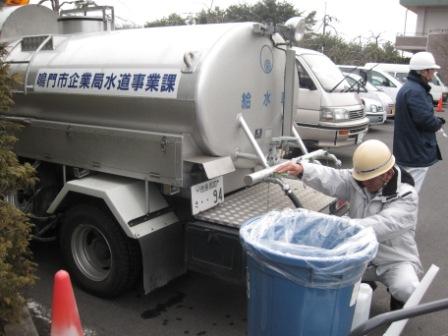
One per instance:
(395,304)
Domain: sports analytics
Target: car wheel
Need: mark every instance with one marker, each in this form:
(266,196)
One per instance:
(99,257)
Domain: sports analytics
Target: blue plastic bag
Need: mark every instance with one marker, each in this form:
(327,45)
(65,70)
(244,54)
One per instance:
(310,248)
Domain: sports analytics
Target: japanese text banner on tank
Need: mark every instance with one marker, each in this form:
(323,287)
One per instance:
(157,83)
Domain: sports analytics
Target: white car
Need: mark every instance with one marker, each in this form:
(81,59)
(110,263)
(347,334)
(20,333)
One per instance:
(381,79)
(438,86)
(401,71)
(367,90)
(374,111)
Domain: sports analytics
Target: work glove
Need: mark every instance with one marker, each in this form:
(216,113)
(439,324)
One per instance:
(442,120)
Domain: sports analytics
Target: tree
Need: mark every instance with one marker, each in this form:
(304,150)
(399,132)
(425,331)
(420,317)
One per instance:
(171,20)
(16,267)
(335,47)
(273,11)
(210,16)
(355,53)
(239,13)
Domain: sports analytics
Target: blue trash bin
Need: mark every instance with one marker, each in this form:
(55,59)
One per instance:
(303,269)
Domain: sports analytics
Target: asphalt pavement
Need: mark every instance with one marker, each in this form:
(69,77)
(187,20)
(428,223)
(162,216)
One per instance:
(195,304)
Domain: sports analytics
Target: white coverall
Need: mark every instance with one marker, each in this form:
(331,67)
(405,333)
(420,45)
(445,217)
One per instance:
(391,212)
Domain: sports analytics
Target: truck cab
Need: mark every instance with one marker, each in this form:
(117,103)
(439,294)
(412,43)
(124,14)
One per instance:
(327,115)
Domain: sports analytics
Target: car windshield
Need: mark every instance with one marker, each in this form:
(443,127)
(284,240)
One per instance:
(356,80)
(327,73)
(355,85)
(371,87)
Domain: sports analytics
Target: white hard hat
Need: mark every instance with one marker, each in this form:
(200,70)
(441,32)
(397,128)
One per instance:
(371,159)
(423,60)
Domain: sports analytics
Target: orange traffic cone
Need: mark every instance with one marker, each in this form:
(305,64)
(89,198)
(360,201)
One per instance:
(64,315)
(439,105)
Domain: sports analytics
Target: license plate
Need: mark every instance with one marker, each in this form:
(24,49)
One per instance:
(359,138)
(206,195)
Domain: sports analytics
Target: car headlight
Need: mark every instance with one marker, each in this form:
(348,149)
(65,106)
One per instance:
(334,114)
(374,108)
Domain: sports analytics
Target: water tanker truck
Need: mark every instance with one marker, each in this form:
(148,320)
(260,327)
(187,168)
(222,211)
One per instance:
(141,139)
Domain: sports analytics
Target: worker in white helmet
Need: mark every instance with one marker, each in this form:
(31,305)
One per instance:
(415,142)
(381,196)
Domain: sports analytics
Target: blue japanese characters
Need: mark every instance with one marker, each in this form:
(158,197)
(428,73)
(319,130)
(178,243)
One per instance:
(114,82)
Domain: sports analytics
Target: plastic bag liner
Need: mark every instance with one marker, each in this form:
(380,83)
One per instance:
(309,248)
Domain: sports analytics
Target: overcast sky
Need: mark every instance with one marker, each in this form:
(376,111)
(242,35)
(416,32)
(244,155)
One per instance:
(356,19)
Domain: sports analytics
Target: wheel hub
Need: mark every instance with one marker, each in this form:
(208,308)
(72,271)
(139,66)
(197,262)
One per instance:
(91,252)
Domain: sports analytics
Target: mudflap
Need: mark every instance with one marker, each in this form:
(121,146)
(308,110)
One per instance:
(163,256)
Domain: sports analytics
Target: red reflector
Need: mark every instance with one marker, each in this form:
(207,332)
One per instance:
(340,203)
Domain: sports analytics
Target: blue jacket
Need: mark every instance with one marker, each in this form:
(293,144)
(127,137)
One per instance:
(415,142)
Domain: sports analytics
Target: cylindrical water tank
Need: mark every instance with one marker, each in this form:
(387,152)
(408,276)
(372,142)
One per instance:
(79,24)
(192,80)
(18,21)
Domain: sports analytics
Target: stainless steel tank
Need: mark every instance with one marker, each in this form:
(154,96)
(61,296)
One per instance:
(17,21)
(190,81)
(72,25)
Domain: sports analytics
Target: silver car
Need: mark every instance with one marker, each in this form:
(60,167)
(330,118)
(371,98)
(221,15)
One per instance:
(367,90)
(374,111)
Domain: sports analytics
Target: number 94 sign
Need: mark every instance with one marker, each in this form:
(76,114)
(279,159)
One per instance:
(206,195)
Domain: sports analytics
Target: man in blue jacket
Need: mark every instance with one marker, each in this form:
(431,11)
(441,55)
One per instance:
(415,144)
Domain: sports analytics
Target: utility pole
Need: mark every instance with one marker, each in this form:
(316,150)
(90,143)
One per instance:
(324,27)
(326,23)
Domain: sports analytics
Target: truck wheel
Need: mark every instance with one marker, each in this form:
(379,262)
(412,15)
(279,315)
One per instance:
(99,257)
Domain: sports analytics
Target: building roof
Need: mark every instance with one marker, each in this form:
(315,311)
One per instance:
(423,3)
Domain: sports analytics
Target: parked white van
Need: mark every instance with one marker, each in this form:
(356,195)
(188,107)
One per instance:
(400,72)
(327,114)
(376,77)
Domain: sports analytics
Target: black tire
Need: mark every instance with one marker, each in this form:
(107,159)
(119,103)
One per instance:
(98,255)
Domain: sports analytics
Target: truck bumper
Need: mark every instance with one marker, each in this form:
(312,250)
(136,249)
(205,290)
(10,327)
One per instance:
(376,119)
(324,136)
